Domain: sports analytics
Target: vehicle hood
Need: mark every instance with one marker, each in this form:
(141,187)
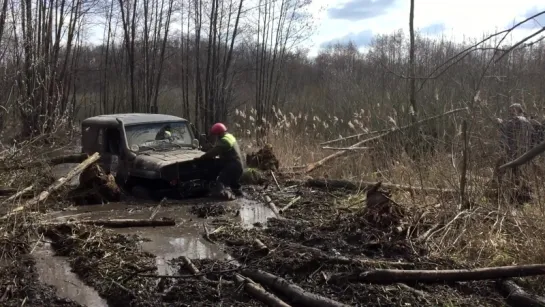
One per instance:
(164,158)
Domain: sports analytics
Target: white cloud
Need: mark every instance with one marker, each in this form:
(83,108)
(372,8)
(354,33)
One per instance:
(460,19)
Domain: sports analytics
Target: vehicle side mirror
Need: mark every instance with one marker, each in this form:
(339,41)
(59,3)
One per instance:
(195,143)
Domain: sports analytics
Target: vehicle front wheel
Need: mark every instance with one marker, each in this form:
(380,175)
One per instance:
(139,191)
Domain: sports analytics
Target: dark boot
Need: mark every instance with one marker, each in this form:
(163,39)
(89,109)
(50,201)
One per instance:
(219,191)
(237,192)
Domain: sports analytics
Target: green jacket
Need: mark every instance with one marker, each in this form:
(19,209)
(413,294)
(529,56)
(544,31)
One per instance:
(226,148)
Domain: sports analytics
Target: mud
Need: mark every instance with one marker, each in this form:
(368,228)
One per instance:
(306,247)
(20,286)
(56,271)
(166,244)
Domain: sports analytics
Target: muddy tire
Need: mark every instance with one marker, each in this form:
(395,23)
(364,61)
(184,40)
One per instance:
(141,192)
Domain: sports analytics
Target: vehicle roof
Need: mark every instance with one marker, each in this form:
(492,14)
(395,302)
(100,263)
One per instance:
(131,118)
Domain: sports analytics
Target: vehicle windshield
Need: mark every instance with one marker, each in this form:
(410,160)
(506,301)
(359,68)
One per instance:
(157,136)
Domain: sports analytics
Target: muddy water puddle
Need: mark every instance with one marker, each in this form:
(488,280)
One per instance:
(167,243)
(56,271)
(252,212)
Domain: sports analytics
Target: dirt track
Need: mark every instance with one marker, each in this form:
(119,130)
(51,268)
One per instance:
(306,253)
(321,235)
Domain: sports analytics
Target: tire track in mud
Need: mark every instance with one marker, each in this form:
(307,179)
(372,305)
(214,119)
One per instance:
(165,243)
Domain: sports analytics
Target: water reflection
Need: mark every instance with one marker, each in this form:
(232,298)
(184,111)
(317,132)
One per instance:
(56,271)
(252,212)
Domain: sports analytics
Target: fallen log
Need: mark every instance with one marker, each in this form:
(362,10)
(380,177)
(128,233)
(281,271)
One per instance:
(311,167)
(387,276)
(298,296)
(363,185)
(57,184)
(120,223)
(516,296)
(259,293)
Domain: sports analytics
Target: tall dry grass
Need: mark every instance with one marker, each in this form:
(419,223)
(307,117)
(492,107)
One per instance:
(491,232)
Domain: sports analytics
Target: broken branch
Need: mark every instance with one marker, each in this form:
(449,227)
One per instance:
(271,205)
(298,296)
(525,158)
(291,203)
(346,148)
(18,194)
(276,181)
(311,167)
(259,293)
(195,271)
(123,223)
(56,185)
(363,185)
(387,276)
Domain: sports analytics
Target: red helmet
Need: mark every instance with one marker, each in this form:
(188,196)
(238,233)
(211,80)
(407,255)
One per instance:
(218,129)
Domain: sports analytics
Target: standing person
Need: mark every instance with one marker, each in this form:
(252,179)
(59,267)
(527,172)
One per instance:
(229,152)
(516,137)
(516,133)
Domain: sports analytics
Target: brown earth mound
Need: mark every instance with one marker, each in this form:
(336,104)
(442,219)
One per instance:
(95,187)
(264,159)
(320,238)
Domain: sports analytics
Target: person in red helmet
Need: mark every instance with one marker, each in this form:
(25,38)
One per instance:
(228,150)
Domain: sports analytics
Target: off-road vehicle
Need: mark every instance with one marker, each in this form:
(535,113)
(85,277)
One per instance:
(155,153)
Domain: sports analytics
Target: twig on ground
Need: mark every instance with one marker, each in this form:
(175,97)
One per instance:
(206,234)
(156,210)
(195,271)
(356,186)
(259,293)
(271,205)
(276,181)
(189,275)
(387,276)
(291,203)
(55,186)
(346,148)
(298,296)
(18,194)
(120,223)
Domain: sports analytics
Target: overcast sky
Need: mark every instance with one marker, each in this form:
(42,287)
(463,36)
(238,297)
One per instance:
(359,20)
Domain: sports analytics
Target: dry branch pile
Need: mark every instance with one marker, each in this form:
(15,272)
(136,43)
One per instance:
(264,159)
(95,187)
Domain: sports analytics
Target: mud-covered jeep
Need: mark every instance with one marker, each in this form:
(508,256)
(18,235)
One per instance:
(154,152)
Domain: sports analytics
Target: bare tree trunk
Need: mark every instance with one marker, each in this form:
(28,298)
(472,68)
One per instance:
(162,56)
